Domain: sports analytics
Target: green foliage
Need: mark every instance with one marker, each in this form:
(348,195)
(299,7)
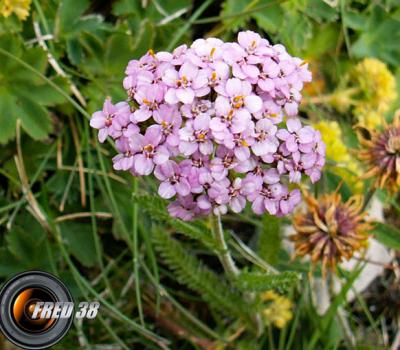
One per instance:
(261,282)
(193,273)
(79,242)
(374,40)
(269,240)
(23,95)
(156,208)
(24,248)
(387,235)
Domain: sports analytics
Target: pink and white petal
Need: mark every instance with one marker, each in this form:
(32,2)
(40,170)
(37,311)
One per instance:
(98,120)
(291,108)
(306,134)
(206,147)
(250,70)
(266,84)
(170,96)
(237,71)
(236,205)
(141,115)
(162,155)
(271,206)
(242,153)
(170,77)
(217,125)
(222,69)
(200,81)
(145,78)
(222,105)
(271,176)
(202,122)
(293,124)
(203,202)
(253,103)
(183,187)
(188,148)
(108,107)
(173,140)
(258,206)
(189,70)
(234,87)
(202,91)
(143,165)
(126,163)
(185,95)
(259,148)
(166,190)
(103,133)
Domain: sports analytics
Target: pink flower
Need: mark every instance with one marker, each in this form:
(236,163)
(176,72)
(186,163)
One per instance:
(170,121)
(111,119)
(208,120)
(196,136)
(172,181)
(264,138)
(205,52)
(295,136)
(185,84)
(229,193)
(124,160)
(183,208)
(196,108)
(149,98)
(266,198)
(148,151)
(238,95)
(224,161)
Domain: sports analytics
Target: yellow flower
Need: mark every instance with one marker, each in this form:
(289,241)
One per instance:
(279,309)
(337,151)
(377,84)
(19,7)
(368,118)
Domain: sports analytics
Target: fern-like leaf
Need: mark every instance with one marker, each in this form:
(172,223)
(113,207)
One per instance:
(260,282)
(156,208)
(194,274)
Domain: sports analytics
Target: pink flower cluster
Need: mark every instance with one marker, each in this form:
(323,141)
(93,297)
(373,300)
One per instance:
(216,124)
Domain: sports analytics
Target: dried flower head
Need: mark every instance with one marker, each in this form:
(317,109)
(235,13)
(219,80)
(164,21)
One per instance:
(381,154)
(278,310)
(330,230)
(216,123)
(19,7)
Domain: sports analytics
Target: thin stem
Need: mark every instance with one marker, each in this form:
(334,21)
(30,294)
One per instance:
(135,253)
(368,197)
(187,25)
(223,251)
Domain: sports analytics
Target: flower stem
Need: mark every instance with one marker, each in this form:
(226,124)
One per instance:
(223,251)
(368,197)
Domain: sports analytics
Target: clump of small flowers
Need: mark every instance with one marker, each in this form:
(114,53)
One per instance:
(19,7)
(369,92)
(330,230)
(377,84)
(278,309)
(216,123)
